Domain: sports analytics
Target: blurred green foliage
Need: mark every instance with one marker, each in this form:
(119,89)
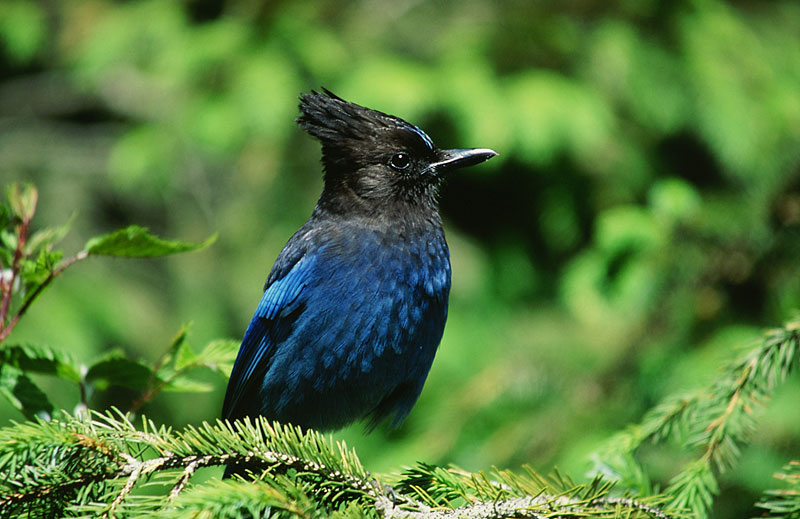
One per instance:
(30,263)
(641,222)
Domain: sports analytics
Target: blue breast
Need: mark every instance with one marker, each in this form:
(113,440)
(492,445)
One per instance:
(349,331)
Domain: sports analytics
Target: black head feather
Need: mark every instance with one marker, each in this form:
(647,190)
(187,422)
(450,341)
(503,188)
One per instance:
(373,160)
(333,120)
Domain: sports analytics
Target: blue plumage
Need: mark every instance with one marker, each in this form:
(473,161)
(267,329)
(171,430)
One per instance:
(355,305)
(327,342)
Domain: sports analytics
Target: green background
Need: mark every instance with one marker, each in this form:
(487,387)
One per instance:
(640,227)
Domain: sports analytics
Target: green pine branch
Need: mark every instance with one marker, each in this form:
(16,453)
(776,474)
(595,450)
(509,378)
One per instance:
(784,502)
(104,466)
(716,422)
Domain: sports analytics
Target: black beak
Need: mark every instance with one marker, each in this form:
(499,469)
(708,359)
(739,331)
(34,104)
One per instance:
(447,160)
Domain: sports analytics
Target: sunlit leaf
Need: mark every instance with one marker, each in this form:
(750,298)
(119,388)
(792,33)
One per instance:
(35,271)
(137,242)
(22,199)
(185,356)
(41,359)
(219,355)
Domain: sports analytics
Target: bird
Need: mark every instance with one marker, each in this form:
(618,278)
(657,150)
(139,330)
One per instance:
(354,308)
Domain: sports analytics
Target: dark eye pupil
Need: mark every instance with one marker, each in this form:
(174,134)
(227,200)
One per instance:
(400,161)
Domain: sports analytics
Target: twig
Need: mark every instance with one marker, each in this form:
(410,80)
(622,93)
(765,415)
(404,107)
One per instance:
(136,469)
(4,332)
(156,385)
(515,507)
(153,389)
(528,507)
(631,503)
(187,473)
(8,285)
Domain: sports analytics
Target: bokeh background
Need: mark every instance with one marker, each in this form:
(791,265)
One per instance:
(640,227)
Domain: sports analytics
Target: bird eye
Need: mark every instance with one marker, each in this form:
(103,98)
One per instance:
(400,161)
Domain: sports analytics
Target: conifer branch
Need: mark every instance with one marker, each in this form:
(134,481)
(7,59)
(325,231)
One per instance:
(632,504)
(529,507)
(717,420)
(784,502)
(98,464)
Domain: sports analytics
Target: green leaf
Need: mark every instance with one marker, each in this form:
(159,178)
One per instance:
(174,351)
(185,356)
(9,240)
(137,242)
(44,238)
(37,271)
(22,392)
(178,347)
(41,359)
(5,217)
(118,370)
(189,384)
(219,355)
(22,199)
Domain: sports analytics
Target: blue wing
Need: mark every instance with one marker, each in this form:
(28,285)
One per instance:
(281,297)
(347,328)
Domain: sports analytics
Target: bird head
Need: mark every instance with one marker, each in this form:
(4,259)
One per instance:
(373,160)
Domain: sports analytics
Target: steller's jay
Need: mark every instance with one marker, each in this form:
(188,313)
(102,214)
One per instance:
(355,305)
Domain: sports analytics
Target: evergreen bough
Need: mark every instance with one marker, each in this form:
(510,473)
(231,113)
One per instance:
(102,465)
(92,464)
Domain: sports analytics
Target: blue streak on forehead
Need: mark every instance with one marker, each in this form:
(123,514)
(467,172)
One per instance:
(422,135)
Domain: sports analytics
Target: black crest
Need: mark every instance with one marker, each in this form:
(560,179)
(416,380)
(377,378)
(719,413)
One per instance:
(333,120)
(372,159)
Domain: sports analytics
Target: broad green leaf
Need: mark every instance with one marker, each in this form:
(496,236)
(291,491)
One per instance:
(22,392)
(41,359)
(118,370)
(138,242)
